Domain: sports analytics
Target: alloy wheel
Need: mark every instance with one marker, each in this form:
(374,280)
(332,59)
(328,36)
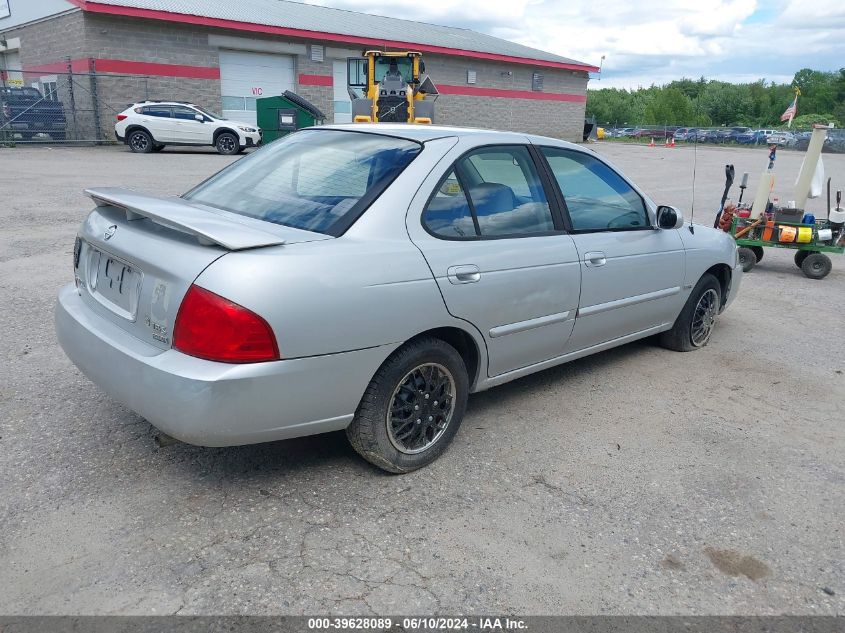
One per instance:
(139,142)
(421,408)
(704,317)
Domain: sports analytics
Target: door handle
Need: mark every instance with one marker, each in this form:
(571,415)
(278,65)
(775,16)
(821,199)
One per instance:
(466,274)
(596,258)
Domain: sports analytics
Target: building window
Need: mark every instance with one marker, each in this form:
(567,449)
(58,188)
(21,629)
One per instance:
(471,77)
(50,89)
(537,82)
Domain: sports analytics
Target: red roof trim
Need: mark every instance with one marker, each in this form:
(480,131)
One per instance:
(127,67)
(153,14)
(316,80)
(474,91)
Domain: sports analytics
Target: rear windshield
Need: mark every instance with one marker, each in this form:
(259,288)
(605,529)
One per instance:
(316,180)
(26,93)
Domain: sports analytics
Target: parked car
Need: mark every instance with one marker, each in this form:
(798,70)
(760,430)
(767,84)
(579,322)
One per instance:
(730,134)
(25,111)
(835,141)
(706,136)
(369,278)
(643,132)
(685,134)
(781,137)
(624,132)
(753,137)
(150,126)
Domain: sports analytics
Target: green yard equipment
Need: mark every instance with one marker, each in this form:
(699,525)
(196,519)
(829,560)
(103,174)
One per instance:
(810,257)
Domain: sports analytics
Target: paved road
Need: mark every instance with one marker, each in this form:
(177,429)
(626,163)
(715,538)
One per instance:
(635,481)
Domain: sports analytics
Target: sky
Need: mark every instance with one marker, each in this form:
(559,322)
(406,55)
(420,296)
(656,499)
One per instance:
(651,41)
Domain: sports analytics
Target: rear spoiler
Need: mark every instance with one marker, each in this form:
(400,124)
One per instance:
(208,227)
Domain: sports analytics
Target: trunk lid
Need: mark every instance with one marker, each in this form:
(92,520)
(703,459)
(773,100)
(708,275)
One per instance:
(139,254)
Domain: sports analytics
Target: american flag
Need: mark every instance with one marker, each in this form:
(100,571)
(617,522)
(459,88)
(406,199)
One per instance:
(790,112)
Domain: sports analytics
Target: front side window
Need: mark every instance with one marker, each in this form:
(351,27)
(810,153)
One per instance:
(503,194)
(185,114)
(316,180)
(598,199)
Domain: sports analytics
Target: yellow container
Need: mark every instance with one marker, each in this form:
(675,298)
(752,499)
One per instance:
(805,234)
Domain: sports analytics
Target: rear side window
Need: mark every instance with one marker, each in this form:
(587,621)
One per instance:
(158,111)
(448,213)
(316,180)
(492,192)
(597,198)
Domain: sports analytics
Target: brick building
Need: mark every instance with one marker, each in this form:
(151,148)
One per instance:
(223,55)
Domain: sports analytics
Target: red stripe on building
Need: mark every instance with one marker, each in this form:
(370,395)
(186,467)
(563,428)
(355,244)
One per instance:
(474,91)
(153,14)
(159,70)
(76,66)
(316,80)
(127,67)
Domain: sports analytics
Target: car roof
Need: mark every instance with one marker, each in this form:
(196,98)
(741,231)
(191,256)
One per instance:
(423,133)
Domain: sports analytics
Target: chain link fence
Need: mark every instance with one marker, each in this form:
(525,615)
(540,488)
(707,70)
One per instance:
(796,138)
(63,107)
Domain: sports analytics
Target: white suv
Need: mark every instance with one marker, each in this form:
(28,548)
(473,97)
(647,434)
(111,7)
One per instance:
(150,125)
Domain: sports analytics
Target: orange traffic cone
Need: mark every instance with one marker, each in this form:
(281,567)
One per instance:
(671,141)
(652,142)
(666,142)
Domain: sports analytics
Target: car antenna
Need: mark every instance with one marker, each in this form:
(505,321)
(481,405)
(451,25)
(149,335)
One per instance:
(694,166)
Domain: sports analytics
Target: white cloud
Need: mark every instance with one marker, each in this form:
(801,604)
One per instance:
(652,41)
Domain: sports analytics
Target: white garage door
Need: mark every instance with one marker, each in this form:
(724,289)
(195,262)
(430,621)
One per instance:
(342,103)
(246,76)
(13,62)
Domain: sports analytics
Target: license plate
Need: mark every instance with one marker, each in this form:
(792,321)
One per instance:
(116,284)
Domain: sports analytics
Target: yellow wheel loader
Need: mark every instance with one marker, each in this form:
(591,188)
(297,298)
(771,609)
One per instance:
(392,88)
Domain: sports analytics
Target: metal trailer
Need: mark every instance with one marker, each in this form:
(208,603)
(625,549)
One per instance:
(810,257)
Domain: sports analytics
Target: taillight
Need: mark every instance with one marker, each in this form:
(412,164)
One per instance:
(120,117)
(211,327)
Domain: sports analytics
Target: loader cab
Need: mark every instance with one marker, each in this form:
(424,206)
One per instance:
(388,87)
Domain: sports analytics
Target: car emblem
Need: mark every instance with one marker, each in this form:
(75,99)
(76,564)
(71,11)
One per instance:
(110,232)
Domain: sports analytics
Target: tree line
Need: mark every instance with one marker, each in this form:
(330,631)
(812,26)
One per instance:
(710,103)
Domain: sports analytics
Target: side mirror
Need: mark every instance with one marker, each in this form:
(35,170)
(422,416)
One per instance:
(199,117)
(669,218)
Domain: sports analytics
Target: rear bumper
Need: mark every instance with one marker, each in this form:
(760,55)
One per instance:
(215,404)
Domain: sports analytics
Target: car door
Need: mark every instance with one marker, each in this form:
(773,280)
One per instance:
(631,272)
(497,249)
(158,120)
(187,129)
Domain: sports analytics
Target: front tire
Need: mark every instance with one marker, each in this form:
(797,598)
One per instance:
(140,142)
(227,144)
(747,258)
(694,326)
(412,408)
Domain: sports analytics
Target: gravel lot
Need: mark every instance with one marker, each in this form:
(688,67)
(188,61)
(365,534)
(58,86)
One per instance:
(637,481)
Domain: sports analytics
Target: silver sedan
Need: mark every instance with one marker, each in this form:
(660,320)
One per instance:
(369,278)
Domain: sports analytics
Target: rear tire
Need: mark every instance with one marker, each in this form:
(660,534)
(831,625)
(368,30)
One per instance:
(695,323)
(800,256)
(425,378)
(747,258)
(816,266)
(758,252)
(227,144)
(140,142)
